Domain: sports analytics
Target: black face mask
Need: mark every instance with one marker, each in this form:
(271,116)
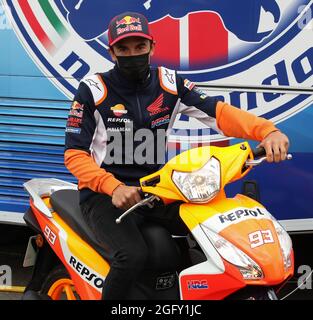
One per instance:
(135,68)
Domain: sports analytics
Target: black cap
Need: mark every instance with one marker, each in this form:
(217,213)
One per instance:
(128,24)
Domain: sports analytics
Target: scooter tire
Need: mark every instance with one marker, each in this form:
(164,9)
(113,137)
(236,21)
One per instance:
(58,285)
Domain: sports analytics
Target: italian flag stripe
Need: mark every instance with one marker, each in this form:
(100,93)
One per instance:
(44,22)
(35,25)
(53,18)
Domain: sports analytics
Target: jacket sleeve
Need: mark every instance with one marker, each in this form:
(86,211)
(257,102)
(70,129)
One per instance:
(222,117)
(79,133)
(238,123)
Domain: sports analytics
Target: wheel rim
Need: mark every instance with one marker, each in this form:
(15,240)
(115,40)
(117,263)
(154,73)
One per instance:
(60,286)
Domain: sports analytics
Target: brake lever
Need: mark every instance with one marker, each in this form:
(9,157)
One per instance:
(139,204)
(260,160)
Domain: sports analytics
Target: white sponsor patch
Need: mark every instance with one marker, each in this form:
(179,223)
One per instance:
(168,80)
(220,221)
(97,87)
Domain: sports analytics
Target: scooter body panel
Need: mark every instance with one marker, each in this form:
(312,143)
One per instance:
(85,266)
(247,225)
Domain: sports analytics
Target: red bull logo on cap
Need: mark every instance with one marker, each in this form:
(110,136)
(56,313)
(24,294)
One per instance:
(130,23)
(127,20)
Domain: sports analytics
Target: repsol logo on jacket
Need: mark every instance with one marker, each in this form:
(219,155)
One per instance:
(239,214)
(92,278)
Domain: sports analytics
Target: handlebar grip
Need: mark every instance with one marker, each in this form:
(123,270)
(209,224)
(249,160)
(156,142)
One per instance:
(141,193)
(259,152)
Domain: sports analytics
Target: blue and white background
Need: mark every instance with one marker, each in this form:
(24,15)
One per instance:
(34,105)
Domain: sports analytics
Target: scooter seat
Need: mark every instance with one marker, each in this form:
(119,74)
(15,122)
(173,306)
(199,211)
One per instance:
(66,204)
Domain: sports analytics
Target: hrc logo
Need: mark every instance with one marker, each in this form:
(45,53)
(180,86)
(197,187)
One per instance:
(197,284)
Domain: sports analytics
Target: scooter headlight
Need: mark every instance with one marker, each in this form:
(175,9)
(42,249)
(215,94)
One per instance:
(285,243)
(201,185)
(248,268)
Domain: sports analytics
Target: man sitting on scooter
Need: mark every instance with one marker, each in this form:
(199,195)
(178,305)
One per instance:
(112,114)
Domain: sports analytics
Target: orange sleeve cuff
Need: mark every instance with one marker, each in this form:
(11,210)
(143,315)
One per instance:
(238,123)
(88,173)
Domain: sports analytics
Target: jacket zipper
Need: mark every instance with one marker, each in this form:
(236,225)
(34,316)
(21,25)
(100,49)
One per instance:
(139,110)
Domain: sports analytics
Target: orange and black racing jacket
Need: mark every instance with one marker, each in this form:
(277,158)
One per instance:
(108,109)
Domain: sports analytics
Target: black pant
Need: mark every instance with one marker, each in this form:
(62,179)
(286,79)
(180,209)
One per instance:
(123,243)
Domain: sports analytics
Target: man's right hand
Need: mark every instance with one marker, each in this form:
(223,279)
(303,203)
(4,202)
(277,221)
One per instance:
(124,197)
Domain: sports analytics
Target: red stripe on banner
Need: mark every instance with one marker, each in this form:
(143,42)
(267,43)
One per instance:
(166,34)
(208,39)
(223,143)
(173,145)
(177,145)
(35,25)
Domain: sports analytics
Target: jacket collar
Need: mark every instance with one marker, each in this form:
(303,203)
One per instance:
(121,81)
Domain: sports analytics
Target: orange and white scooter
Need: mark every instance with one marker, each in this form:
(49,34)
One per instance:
(235,250)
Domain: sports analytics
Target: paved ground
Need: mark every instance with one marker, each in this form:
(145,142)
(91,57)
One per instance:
(13,243)
(13,246)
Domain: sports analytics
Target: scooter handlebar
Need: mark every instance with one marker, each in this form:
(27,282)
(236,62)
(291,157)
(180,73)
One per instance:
(142,194)
(259,152)
(259,155)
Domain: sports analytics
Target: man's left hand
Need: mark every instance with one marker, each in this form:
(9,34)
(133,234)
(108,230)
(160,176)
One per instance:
(276,145)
